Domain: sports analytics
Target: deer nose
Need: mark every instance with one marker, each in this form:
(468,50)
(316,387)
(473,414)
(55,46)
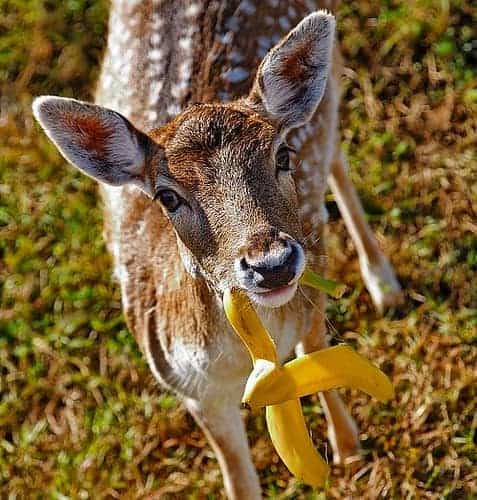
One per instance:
(276,268)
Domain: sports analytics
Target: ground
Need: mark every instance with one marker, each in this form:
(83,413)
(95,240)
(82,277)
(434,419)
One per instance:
(81,417)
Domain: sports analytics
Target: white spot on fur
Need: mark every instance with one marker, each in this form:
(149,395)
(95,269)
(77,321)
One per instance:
(226,38)
(134,21)
(178,90)
(152,116)
(157,22)
(235,57)
(107,80)
(141,228)
(156,55)
(284,23)
(154,92)
(236,75)
(156,39)
(193,10)
(173,109)
(247,7)
(185,43)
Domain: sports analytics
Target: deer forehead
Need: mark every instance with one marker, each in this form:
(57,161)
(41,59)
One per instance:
(211,143)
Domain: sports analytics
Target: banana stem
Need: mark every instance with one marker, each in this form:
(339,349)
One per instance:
(330,287)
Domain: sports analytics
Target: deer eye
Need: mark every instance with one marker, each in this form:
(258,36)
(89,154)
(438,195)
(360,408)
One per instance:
(282,159)
(170,199)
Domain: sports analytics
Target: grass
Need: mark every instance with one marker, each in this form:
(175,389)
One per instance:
(80,416)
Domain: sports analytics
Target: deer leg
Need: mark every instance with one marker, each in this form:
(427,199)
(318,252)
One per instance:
(225,430)
(342,429)
(377,272)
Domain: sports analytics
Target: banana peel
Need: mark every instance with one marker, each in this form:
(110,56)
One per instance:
(279,388)
(246,323)
(295,449)
(330,368)
(294,445)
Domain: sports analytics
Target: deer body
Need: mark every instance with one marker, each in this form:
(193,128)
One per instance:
(178,34)
(162,57)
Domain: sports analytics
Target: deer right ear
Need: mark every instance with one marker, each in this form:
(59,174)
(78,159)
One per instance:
(292,78)
(100,142)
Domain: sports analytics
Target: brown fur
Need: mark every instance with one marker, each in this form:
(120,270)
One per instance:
(296,66)
(91,133)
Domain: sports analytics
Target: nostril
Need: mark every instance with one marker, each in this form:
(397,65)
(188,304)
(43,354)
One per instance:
(284,266)
(278,275)
(292,256)
(243,264)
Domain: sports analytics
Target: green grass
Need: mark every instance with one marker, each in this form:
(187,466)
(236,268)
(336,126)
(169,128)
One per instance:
(80,416)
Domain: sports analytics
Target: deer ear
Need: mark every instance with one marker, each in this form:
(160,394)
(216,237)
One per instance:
(291,80)
(100,142)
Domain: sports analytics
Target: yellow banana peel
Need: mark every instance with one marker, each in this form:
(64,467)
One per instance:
(338,366)
(290,438)
(246,323)
(280,387)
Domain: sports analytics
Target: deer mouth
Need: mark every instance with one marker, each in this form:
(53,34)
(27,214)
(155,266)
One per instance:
(276,297)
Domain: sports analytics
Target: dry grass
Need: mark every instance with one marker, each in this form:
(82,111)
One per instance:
(80,416)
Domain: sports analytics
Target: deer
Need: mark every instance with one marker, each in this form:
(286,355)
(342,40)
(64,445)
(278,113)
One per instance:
(214,137)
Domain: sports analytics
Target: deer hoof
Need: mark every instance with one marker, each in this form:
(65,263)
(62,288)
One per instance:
(382,284)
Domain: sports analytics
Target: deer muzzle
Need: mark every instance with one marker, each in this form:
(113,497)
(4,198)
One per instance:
(268,267)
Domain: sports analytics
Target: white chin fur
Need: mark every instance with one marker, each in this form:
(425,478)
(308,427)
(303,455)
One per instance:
(275,298)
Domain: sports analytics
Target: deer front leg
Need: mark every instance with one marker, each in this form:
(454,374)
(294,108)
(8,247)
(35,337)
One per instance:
(342,429)
(377,272)
(224,428)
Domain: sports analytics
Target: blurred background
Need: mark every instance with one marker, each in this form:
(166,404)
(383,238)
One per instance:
(80,415)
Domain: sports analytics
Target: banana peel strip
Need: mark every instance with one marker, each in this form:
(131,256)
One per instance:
(338,366)
(289,435)
(248,326)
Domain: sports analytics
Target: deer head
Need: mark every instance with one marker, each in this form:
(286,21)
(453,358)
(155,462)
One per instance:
(221,172)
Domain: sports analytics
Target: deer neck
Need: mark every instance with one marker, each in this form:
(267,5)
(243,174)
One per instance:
(163,55)
(154,62)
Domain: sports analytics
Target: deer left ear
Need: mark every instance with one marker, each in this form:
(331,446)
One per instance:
(100,142)
(292,78)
